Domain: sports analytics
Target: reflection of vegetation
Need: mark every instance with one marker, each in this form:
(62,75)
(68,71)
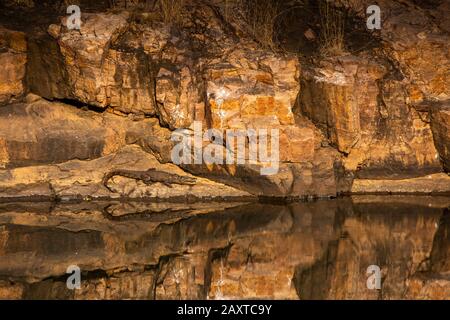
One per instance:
(332,29)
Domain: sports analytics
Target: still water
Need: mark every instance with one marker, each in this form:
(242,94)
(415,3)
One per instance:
(314,250)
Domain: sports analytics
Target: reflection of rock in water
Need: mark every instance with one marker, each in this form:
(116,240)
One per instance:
(396,236)
(440,255)
(317,250)
(432,281)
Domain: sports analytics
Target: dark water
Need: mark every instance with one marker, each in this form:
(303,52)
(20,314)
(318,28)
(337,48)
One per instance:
(316,250)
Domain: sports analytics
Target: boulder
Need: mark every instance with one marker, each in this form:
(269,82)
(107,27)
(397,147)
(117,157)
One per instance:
(42,132)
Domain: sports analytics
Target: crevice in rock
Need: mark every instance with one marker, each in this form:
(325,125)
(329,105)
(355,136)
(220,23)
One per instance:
(298,18)
(86,275)
(79,105)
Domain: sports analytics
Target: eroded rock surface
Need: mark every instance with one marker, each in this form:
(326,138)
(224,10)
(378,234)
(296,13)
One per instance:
(440,123)
(42,132)
(13,58)
(379,137)
(365,102)
(129,78)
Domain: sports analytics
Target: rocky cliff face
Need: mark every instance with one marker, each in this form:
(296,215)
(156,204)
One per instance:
(13,58)
(76,104)
(369,104)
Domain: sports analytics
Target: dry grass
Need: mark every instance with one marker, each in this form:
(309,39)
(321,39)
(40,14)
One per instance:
(122,3)
(171,10)
(332,29)
(260,17)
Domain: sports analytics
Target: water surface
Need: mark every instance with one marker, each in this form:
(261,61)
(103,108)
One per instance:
(314,250)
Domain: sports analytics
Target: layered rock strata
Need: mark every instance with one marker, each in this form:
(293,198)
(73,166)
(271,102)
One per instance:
(374,121)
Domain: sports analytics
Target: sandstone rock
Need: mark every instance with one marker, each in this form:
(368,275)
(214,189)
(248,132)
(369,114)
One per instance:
(338,95)
(252,89)
(42,132)
(46,71)
(60,151)
(203,69)
(379,138)
(432,184)
(48,133)
(310,34)
(134,67)
(415,54)
(125,80)
(440,123)
(84,66)
(318,177)
(83,52)
(13,59)
(78,179)
(415,38)
(177,75)
(363,103)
